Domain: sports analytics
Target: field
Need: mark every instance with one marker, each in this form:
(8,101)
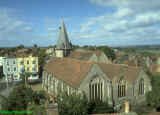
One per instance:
(153,51)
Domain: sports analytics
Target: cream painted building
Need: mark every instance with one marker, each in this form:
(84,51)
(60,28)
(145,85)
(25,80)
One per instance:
(27,64)
(1,61)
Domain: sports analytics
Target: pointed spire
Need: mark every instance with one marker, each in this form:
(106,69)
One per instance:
(63,42)
(63,21)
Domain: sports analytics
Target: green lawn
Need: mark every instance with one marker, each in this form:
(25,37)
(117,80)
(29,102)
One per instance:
(151,51)
(37,87)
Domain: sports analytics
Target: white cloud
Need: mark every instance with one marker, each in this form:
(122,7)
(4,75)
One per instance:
(13,30)
(147,19)
(136,5)
(9,24)
(86,27)
(28,29)
(125,26)
(123,12)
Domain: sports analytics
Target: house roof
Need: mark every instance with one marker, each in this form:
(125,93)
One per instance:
(84,55)
(153,69)
(73,71)
(63,41)
(117,70)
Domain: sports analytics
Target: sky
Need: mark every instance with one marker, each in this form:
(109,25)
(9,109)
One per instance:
(88,22)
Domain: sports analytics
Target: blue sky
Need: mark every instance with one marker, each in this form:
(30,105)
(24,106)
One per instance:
(88,22)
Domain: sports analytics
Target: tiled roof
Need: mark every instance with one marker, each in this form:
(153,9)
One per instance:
(84,55)
(11,56)
(73,71)
(130,63)
(153,69)
(114,70)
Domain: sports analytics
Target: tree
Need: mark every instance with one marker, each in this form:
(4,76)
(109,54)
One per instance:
(24,76)
(18,98)
(108,51)
(74,104)
(37,110)
(35,46)
(38,96)
(20,46)
(24,98)
(153,97)
(99,107)
(1,72)
(41,60)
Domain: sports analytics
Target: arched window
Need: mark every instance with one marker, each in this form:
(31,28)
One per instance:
(141,87)
(96,89)
(121,88)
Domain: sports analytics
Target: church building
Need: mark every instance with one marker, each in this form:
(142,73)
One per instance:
(92,73)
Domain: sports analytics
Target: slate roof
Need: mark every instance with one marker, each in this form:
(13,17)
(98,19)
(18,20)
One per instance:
(73,71)
(63,41)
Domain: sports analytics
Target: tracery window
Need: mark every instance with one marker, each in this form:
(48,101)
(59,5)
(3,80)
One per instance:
(121,88)
(141,87)
(96,89)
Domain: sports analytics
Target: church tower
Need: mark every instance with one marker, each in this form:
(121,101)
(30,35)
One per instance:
(63,46)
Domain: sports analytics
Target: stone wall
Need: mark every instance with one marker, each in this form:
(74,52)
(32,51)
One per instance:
(55,86)
(110,88)
(96,72)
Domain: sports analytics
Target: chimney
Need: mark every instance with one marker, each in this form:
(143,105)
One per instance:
(126,107)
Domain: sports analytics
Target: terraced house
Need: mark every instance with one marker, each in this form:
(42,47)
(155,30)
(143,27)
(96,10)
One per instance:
(28,64)
(10,68)
(92,73)
(14,66)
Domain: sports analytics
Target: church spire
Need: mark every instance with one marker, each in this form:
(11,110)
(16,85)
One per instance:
(63,41)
